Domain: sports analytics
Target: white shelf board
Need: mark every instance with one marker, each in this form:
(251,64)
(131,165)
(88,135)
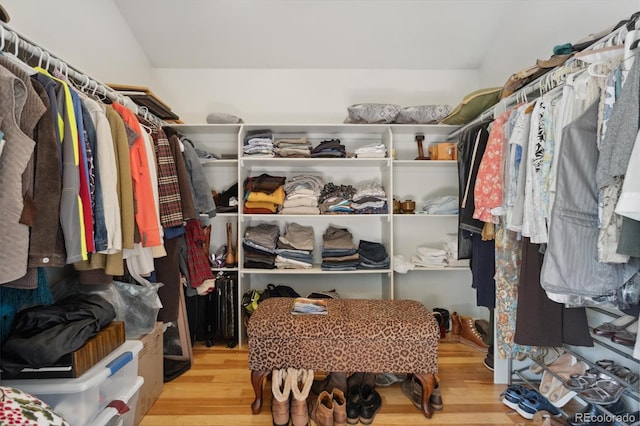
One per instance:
(397,216)
(424,163)
(216,162)
(305,162)
(315,270)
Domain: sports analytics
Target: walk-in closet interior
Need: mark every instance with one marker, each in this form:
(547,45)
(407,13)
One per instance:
(220,212)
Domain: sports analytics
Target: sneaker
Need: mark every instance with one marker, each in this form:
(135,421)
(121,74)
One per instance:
(532,402)
(512,395)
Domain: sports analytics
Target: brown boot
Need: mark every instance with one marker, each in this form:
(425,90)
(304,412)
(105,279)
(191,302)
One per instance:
(322,409)
(339,408)
(281,389)
(456,327)
(471,336)
(301,381)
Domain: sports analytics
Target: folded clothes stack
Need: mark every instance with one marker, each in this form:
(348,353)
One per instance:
(373,255)
(371,151)
(258,143)
(259,245)
(338,251)
(292,148)
(302,194)
(295,248)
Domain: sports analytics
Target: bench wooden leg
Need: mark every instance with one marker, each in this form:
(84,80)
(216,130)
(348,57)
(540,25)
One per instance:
(428,382)
(257,380)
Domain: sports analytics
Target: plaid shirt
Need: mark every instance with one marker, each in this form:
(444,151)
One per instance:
(198,263)
(168,189)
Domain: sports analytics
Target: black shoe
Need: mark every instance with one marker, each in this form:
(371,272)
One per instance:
(353,404)
(488,362)
(370,403)
(483,328)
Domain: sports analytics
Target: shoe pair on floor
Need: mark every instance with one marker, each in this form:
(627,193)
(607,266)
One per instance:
(463,330)
(363,401)
(329,409)
(290,388)
(341,399)
(527,402)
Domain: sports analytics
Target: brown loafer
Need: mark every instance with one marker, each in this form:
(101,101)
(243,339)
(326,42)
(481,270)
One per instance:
(612,327)
(628,336)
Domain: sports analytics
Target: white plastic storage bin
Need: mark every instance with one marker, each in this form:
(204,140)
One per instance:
(111,416)
(79,400)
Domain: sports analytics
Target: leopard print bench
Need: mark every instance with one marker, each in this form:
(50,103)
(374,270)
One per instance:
(356,335)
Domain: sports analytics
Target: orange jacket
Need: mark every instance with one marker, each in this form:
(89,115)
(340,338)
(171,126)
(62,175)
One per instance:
(145,204)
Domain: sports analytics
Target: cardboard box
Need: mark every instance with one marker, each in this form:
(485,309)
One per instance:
(151,368)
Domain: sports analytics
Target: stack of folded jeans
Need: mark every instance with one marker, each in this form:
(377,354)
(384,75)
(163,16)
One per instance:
(295,248)
(373,255)
(258,143)
(330,148)
(260,246)
(338,251)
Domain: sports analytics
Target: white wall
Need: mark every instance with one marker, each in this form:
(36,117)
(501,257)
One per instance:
(558,23)
(89,35)
(302,95)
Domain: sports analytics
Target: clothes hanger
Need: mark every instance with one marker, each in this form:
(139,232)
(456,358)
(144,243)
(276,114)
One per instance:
(13,57)
(85,84)
(150,126)
(48,64)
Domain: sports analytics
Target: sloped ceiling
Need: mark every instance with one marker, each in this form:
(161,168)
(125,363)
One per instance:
(343,34)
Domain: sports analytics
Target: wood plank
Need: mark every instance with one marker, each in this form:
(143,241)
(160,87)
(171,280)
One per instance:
(217,391)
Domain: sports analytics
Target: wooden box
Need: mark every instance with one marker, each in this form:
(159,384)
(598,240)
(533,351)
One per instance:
(76,363)
(443,151)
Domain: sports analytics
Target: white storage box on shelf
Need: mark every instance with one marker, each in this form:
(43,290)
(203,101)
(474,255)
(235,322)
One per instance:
(112,415)
(79,400)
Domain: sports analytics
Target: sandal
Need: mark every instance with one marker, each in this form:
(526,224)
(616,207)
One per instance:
(558,394)
(624,373)
(561,365)
(580,382)
(618,324)
(604,391)
(605,363)
(545,356)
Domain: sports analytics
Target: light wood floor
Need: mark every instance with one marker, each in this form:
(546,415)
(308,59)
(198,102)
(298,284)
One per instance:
(217,391)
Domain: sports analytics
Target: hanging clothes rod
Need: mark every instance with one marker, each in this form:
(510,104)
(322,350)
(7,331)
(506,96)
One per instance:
(541,84)
(507,103)
(10,38)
